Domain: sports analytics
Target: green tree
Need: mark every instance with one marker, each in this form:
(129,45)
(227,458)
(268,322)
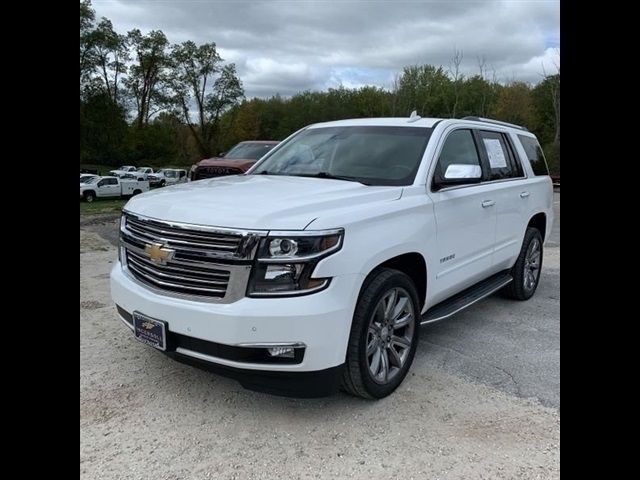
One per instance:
(87,57)
(198,78)
(103,130)
(111,55)
(147,81)
(515,104)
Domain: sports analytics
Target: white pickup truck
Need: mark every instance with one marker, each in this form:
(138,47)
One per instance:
(316,268)
(118,172)
(111,187)
(167,176)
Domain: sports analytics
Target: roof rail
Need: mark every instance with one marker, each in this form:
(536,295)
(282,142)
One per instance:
(497,122)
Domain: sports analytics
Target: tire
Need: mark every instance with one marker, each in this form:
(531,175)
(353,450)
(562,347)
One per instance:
(136,192)
(364,376)
(162,183)
(526,271)
(89,197)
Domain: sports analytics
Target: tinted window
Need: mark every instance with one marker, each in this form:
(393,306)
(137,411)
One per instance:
(112,181)
(534,154)
(374,155)
(459,148)
(248,151)
(499,155)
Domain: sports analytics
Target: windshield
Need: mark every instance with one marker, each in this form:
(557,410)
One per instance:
(367,154)
(123,168)
(248,151)
(91,180)
(142,169)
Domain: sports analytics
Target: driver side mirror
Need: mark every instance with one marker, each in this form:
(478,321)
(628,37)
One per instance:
(222,154)
(459,174)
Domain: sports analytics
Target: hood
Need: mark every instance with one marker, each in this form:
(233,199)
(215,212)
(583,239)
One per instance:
(241,163)
(257,202)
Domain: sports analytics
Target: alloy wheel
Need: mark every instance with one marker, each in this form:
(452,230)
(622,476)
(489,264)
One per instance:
(390,335)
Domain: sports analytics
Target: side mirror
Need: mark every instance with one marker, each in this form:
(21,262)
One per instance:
(457,171)
(459,174)
(222,154)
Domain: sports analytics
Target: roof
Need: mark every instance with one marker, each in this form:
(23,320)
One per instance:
(380,122)
(262,142)
(427,122)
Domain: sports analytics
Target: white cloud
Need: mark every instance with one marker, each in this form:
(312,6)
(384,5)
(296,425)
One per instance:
(288,46)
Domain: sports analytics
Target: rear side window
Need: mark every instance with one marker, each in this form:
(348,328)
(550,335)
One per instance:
(535,155)
(500,157)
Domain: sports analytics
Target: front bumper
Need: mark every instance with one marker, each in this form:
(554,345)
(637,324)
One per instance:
(321,321)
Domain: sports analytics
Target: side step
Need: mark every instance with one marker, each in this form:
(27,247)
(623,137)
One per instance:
(466,298)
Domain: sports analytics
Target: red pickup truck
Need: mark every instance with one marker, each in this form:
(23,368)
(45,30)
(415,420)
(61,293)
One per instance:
(237,160)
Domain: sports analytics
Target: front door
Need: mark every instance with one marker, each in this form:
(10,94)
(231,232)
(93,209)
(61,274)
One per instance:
(108,187)
(465,219)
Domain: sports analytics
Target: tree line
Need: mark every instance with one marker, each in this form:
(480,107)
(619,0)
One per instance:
(146,101)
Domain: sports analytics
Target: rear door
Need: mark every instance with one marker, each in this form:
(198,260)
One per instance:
(509,188)
(465,217)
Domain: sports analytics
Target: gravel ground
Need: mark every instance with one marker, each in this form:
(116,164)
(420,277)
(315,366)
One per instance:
(481,400)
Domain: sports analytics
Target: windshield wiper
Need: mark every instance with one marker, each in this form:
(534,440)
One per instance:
(331,176)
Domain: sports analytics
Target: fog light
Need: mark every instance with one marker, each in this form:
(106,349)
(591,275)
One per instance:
(284,352)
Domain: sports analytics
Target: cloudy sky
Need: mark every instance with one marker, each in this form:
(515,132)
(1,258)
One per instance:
(284,46)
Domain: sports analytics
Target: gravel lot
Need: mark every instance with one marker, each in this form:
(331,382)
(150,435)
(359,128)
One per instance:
(481,400)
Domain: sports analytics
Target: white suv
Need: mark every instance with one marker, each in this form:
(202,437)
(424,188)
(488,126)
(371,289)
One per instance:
(316,268)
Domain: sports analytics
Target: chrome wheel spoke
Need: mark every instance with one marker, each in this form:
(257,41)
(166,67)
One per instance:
(372,345)
(374,366)
(390,303)
(401,342)
(402,321)
(384,365)
(394,357)
(400,306)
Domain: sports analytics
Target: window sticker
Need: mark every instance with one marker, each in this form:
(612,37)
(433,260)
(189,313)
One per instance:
(496,155)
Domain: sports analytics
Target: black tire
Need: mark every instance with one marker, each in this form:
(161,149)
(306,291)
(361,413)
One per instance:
(136,192)
(163,183)
(357,377)
(520,288)
(89,196)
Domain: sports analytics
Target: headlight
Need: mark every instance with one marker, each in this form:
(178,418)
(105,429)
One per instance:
(286,261)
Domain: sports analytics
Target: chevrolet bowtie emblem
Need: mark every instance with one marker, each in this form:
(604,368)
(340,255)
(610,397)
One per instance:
(157,253)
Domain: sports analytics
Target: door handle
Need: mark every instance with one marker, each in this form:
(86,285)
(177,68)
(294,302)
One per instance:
(488,203)
(524,194)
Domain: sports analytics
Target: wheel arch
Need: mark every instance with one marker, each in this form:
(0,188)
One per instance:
(539,221)
(413,264)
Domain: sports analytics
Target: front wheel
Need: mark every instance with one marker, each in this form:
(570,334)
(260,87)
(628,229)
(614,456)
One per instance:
(384,335)
(89,197)
(526,271)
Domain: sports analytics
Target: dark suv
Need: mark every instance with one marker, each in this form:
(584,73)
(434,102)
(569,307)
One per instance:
(237,160)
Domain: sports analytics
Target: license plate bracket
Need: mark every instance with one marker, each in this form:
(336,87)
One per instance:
(150,331)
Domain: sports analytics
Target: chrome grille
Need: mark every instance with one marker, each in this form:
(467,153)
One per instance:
(204,262)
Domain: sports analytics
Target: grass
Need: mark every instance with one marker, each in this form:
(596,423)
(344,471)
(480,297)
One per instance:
(99,206)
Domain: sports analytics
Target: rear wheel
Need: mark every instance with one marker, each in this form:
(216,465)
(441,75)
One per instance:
(136,192)
(526,271)
(384,335)
(89,196)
